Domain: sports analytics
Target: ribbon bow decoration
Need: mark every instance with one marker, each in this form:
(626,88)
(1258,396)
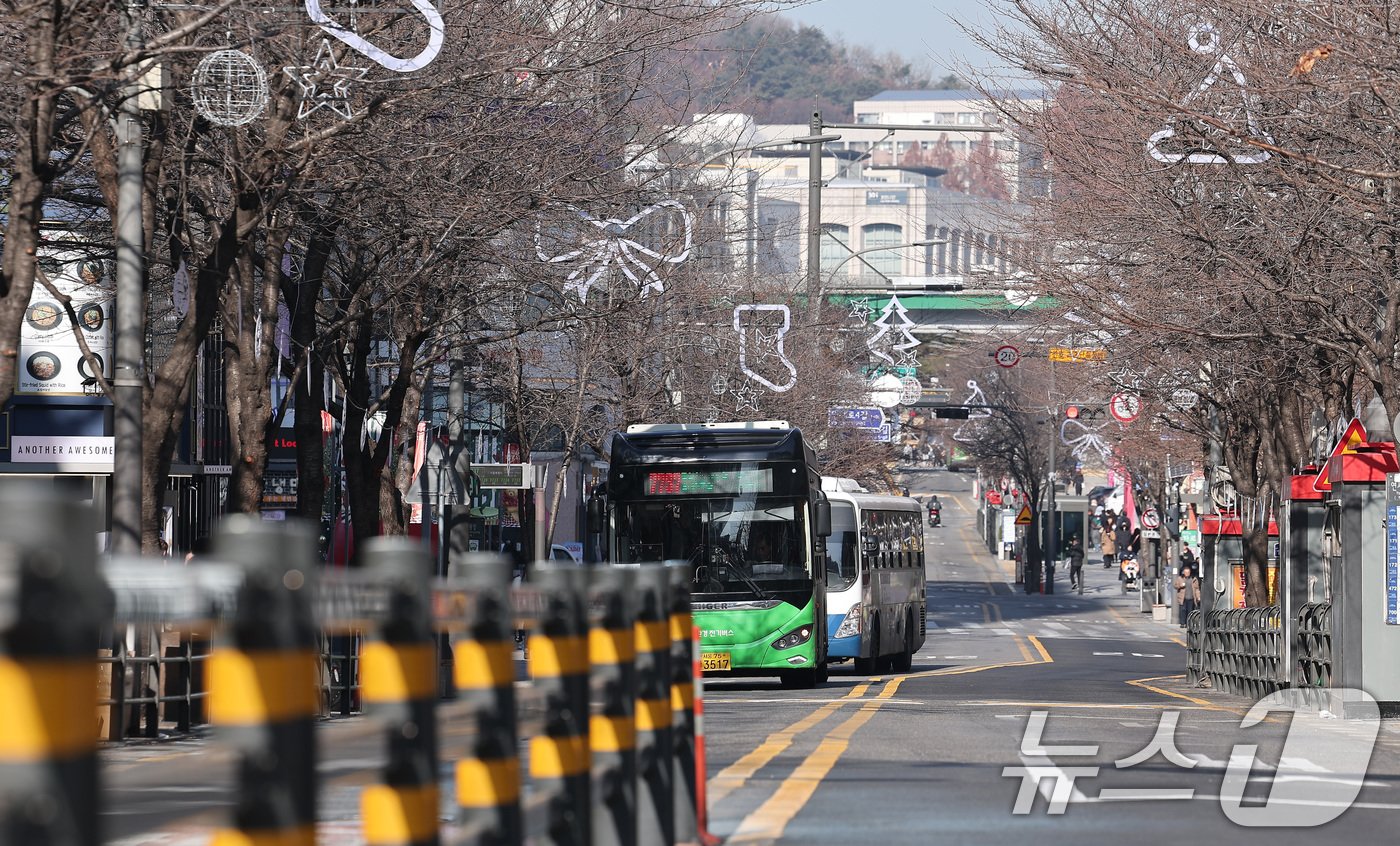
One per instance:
(362,46)
(614,248)
(1085,440)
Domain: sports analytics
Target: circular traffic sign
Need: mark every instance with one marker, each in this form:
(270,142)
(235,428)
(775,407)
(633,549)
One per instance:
(1007,356)
(1150,519)
(1125,408)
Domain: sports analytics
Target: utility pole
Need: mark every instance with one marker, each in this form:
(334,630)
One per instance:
(814,207)
(129,374)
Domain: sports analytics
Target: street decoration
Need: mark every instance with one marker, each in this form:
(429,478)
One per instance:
(636,260)
(911,390)
(229,88)
(1083,440)
(767,345)
(360,45)
(976,404)
(325,83)
(894,317)
(861,310)
(1205,39)
(719,384)
(745,396)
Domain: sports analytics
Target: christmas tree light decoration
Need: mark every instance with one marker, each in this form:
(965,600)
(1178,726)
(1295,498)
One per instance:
(903,341)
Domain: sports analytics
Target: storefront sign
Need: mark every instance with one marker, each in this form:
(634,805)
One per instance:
(69,452)
(505,476)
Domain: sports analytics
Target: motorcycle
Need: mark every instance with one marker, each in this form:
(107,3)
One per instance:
(935,517)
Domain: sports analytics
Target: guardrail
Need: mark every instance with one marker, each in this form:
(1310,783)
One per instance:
(614,759)
(1314,645)
(1241,651)
(1195,647)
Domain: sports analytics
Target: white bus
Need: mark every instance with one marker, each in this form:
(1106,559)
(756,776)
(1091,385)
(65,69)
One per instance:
(875,582)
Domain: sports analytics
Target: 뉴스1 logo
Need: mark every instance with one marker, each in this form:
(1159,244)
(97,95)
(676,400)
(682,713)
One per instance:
(1315,777)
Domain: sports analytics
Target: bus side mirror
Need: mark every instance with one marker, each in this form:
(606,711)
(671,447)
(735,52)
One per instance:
(821,518)
(595,515)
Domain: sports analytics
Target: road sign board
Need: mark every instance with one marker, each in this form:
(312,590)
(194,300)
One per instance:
(858,418)
(1150,519)
(1125,408)
(1151,534)
(1007,356)
(1023,518)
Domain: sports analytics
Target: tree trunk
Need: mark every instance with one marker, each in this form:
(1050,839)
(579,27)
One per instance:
(301,295)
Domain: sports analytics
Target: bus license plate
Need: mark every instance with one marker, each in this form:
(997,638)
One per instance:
(714,661)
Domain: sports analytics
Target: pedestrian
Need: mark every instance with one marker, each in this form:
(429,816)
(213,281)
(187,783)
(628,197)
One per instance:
(1078,482)
(1188,592)
(1108,544)
(1075,554)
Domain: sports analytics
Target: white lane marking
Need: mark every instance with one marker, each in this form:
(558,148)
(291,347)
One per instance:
(1105,654)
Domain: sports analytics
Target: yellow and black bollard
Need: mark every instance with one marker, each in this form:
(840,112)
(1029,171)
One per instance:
(488,780)
(559,757)
(52,610)
(262,682)
(682,707)
(612,735)
(655,825)
(400,688)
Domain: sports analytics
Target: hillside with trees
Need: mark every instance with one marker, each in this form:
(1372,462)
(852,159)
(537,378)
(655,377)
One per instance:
(779,72)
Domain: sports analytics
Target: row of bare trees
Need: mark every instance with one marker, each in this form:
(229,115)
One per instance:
(1224,217)
(348,240)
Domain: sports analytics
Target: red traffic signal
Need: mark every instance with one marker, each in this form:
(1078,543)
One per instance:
(1071,412)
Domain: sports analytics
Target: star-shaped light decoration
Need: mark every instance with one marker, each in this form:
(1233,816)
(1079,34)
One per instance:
(746,396)
(909,358)
(861,310)
(325,83)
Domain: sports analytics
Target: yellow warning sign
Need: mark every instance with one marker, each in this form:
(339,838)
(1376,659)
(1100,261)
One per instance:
(1024,518)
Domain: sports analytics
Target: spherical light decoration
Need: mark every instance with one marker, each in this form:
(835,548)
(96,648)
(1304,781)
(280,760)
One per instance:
(229,88)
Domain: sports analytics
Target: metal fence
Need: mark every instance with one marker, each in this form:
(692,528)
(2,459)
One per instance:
(1241,650)
(612,754)
(1314,645)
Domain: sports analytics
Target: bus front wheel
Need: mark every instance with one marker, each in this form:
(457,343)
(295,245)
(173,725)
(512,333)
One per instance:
(804,679)
(868,666)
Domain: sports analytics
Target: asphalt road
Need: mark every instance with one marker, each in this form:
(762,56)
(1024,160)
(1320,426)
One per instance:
(1023,721)
(1010,727)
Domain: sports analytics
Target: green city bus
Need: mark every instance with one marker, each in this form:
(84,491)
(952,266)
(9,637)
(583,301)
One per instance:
(742,505)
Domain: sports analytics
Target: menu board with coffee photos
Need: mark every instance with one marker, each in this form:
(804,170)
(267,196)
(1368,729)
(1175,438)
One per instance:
(50,359)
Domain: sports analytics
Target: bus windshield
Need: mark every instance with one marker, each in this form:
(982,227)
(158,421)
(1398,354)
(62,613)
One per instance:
(750,544)
(841,552)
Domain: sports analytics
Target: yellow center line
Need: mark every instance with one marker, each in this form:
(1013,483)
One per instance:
(735,775)
(1040,647)
(768,822)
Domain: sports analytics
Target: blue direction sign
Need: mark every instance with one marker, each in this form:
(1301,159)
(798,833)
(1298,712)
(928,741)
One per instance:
(858,418)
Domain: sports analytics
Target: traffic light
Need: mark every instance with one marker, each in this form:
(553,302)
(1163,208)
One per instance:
(1071,412)
(951,412)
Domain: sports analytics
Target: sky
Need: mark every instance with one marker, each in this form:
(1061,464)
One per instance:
(920,30)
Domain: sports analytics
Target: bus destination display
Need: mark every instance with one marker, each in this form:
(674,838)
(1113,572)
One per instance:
(709,482)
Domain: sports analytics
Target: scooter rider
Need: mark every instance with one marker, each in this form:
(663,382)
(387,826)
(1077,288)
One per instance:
(935,512)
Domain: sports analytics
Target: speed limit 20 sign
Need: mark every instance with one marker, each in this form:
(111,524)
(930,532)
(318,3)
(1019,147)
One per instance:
(1007,356)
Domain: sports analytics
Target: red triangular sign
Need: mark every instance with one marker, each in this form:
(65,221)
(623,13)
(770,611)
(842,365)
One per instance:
(1024,518)
(1351,438)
